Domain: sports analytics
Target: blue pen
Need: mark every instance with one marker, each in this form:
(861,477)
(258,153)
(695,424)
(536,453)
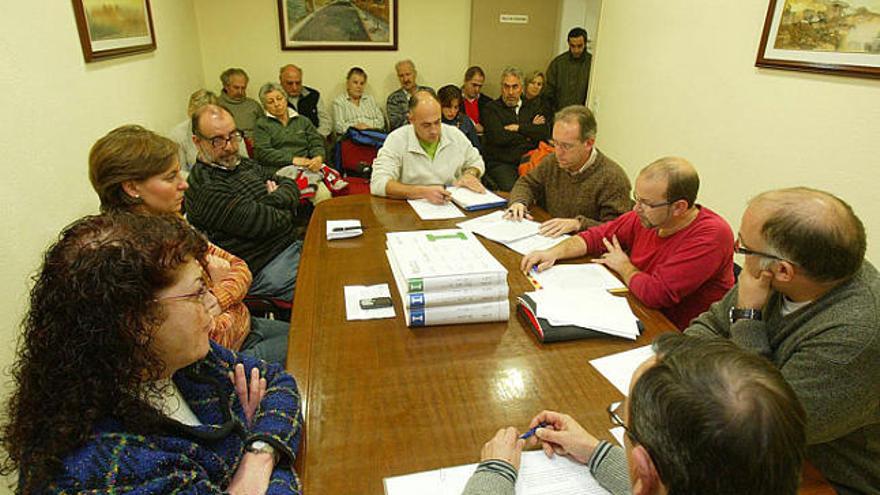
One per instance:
(532,430)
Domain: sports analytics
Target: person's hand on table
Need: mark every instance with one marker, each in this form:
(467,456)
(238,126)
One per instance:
(471,182)
(505,446)
(555,227)
(564,436)
(437,195)
(516,212)
(541,260)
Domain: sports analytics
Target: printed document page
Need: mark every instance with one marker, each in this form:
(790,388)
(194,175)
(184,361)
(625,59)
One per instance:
(493,226)
(588,307)
(535,243)
(441,252)
(538,475)
(429,211)
(577,276)
(618,368)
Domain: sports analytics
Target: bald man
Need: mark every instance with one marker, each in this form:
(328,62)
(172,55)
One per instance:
(809,301)
(418,160)
(304,99)
(673,254)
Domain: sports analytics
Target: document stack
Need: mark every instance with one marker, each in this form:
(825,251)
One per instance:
(446,276)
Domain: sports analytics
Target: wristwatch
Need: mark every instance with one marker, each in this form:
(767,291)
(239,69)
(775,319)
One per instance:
(261,447)
(736,314)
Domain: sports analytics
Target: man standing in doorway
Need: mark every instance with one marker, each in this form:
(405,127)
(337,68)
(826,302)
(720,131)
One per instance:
(568,75)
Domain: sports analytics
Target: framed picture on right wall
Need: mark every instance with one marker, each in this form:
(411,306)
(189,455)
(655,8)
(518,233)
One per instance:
(827,36)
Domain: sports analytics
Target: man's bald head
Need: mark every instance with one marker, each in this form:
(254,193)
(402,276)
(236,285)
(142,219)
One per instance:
(682,181)
(814,229)
(424,115)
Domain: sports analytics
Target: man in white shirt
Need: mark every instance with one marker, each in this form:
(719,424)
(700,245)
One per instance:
(419,160)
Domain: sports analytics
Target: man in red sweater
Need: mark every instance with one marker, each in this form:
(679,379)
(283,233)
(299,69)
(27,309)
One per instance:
(680,257)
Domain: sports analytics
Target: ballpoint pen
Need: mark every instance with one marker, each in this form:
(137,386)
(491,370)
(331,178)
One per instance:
(343,229)
(532,431)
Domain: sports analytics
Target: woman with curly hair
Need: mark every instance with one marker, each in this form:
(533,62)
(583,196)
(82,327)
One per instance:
(134,169)
(118,386)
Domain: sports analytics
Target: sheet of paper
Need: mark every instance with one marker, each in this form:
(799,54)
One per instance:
(343,229)
(618,368)
(538,475)
(581,275)
(353,296)
(535,243)
(587,307)
(493,226)
(467,198)
(618,432)
(429,211)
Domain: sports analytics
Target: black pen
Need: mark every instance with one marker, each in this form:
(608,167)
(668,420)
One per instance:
(343,229)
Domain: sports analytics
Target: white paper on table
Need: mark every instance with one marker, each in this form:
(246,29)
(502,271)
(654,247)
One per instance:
(617,432)
(535,243)
(353,296)
(618,368)
(495,227)
(343,229)
(538,475)
(429,211)
(576,276)
(591,307)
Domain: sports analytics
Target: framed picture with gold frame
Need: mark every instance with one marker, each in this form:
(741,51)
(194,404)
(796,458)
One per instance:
(338,24)
(113,28)
(827,36)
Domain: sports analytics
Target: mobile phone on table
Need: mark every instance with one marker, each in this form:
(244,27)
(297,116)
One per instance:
(375,302)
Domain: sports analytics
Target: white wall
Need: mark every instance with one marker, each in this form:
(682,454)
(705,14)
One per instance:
(677,77)
(434,34)
(54,107)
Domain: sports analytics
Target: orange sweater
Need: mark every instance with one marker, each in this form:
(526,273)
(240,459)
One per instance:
(234,324)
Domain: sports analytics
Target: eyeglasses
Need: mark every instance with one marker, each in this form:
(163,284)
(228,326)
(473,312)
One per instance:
(221,142)
(739,249)
(647,206)
(198,295)
(614,416)
(565,146)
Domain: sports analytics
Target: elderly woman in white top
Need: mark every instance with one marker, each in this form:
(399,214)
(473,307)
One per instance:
(354,108)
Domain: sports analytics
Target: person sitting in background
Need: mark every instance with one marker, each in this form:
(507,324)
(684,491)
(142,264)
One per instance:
(356,109)
(418,161)
(116,384)
(680,257)
(578,185)
(534,88)
(289,143)
(234,98)
(244,207)
(809,301)
(473,100)
(513,127)
(134,169)
(450,98)
(181,134)
(701,417)
(398,102)
(305,100)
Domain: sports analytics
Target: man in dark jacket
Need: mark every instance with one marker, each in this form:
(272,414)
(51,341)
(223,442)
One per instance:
(305,100)
(568,75)
(513,127)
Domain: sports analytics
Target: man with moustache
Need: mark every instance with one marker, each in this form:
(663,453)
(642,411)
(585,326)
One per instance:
(244,207)
(397,102)
(513,127)
(680,254)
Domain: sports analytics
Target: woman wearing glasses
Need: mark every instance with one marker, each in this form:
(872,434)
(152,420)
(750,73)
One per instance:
(134,169)
(118,386)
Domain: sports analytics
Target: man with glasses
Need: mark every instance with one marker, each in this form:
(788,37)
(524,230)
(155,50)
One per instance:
(577,184)
(701,417)
(244,207)
(672,254)
(809,301)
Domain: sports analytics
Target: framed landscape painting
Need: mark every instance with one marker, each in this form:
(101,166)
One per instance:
(338,24)
(110,28)
(830,36)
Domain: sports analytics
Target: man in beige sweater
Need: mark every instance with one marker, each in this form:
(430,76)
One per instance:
(577,184)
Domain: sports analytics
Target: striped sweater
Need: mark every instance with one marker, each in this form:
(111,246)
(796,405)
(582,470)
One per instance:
(195,460)
(233,325)
(236,211)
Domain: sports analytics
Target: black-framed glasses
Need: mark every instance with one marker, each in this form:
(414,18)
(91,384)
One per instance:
(739,249)
(614,416)
(221,141)
(645,205)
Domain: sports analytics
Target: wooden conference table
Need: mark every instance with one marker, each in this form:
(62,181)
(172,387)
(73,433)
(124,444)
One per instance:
(381,399)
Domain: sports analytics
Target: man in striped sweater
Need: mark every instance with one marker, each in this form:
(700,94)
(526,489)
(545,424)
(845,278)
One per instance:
(243,207)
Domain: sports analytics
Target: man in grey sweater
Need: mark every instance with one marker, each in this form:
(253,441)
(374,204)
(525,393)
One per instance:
(702,416)
(809,301)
